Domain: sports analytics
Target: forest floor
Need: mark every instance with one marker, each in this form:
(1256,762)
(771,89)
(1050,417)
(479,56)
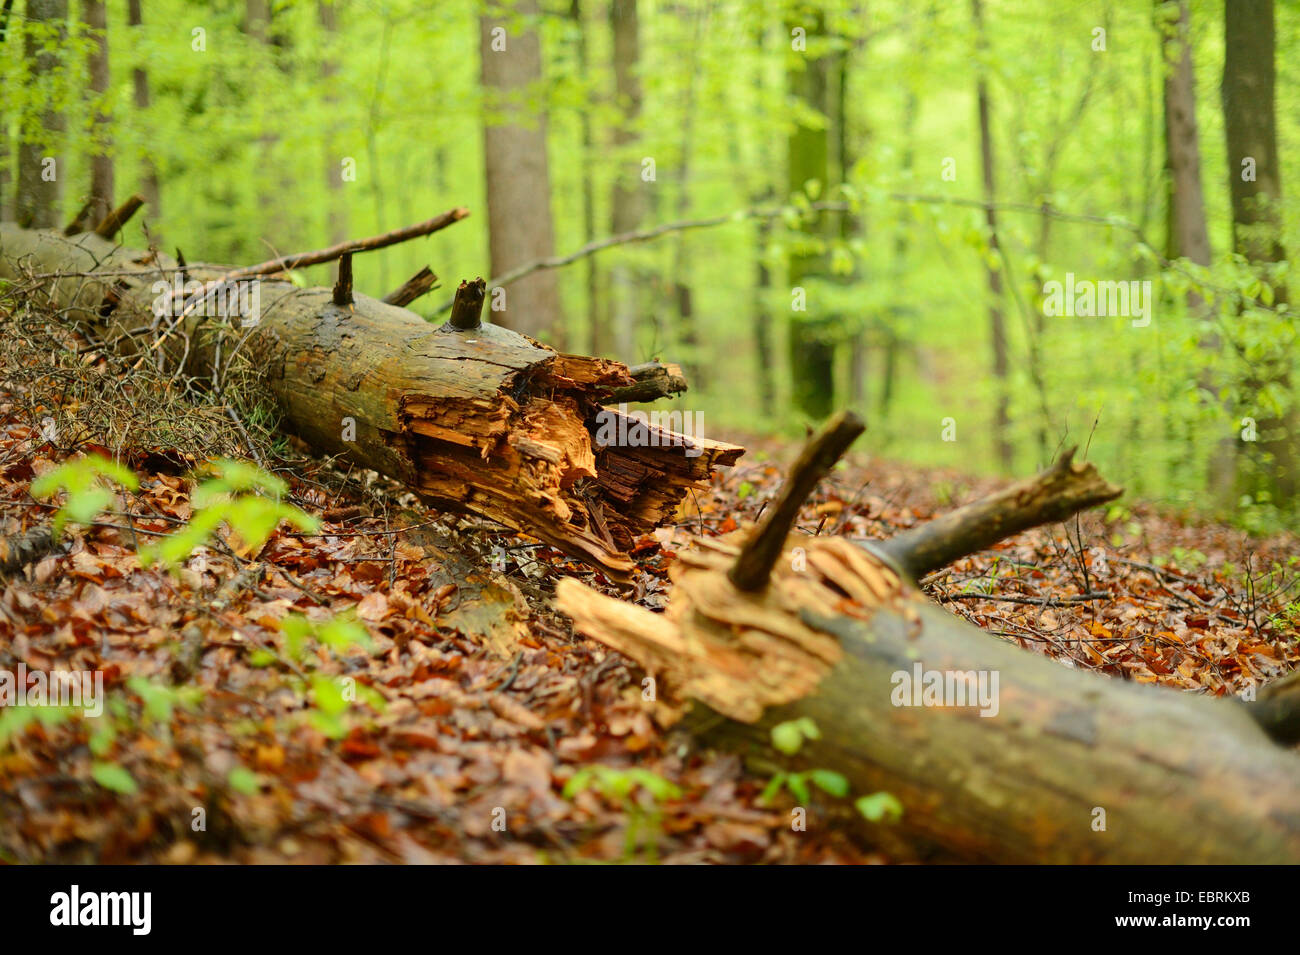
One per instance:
(220,746)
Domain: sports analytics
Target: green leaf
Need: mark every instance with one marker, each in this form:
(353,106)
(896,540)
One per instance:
(244,780)
(798,786)
(879,807)
(787,738)
(830,782)
(114,777)
(772,788)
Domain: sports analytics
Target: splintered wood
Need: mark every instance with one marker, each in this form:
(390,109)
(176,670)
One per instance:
(526,458)
(742,652)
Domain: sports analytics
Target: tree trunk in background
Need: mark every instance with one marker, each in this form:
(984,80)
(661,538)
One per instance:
(37,201)
(148,169)
(812,353)
(849,225)
(997,323)
(597,332)
(1187,233)
(100,199)
(686,331)
(628,199)
(1189,236)
(1251,131)
(763,161)
(6,18)
(518,173)
(336,207)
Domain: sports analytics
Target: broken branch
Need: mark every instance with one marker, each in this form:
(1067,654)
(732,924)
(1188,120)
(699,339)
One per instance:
(754,565)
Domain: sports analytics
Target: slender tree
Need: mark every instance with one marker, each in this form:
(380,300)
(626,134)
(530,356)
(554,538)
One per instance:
(518,174)
(100,200)
(38,199)
(997,323)
(1188,234)
(686,320)
(597,328)
(6,12)
(812,351)
(627,204)
(149,187)
(336,206)
(1255,184)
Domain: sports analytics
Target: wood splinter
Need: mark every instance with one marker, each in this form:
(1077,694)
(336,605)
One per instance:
(467,309)
(418,284)
(764,546)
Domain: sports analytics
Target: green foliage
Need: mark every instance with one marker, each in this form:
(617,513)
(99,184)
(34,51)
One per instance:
(879,807)
(332,697)
(828,781)
(789,737)
(238,495)
(84,482)
(619,785)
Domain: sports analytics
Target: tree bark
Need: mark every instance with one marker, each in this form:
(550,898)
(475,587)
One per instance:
(812,353)
(627,202)
(518,174)
(94,15)
(477,419)
(997,323)
(1046,764)
(37,202)
(1250,125)
(140,94)
(336,209)
(597,333)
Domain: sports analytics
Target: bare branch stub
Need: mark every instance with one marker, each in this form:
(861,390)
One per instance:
(761,551)
(343,287)
(418,284)
(115,220)
(467,309)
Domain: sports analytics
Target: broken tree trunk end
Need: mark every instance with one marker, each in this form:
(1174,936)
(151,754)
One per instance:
(482,420)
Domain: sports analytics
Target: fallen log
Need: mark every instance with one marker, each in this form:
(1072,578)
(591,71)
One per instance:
(994,753)
(476,419)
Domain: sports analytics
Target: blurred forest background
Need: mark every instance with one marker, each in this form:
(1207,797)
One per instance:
(849,204)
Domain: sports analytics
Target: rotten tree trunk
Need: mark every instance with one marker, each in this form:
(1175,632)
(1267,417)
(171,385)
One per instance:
(480,420)
(843,636)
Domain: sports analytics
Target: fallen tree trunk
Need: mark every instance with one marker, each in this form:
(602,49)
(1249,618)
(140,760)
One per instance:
(995,754)
(472,417)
